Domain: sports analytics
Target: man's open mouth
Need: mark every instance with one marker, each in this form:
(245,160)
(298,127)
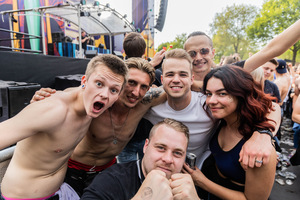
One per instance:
(98,106)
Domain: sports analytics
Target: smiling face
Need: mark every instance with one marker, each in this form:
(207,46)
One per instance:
(165,151)
(101,90)
(202,53)
(177,77)
(221,104)
(136,87)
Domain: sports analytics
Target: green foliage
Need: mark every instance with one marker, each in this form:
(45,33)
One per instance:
(177,43)
(228,31)
(275,16)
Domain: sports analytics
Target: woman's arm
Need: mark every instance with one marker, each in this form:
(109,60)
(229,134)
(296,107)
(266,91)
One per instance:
(275,47)
(259,181)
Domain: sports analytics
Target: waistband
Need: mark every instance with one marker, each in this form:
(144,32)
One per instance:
(42,198)
(88,168)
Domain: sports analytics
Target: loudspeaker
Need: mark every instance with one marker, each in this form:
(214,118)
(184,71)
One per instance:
(63,82)
(161,15)
(14,97)
(118,53)
(91,53)
(58,37)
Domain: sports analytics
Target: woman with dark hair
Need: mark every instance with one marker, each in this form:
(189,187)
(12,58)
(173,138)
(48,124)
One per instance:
(236,100)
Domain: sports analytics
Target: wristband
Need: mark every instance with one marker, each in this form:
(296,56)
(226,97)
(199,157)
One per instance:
(266,131)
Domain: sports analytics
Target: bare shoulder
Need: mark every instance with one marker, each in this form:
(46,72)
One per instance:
(52,110)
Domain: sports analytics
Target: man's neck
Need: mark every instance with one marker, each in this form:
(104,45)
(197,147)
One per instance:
(120,108)
(180,103)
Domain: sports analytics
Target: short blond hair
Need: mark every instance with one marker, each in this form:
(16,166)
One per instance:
(178,54)
(114,63)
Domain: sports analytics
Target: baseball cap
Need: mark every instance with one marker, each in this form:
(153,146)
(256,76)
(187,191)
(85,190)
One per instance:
(281,68)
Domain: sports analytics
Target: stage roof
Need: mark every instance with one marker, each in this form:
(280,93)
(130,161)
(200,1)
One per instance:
(95,20)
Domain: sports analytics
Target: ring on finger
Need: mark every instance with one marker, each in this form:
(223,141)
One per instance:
(259,161)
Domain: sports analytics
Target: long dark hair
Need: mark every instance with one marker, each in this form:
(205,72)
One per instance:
(253,105)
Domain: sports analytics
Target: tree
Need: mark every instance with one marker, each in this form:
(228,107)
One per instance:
(178,43)
(275,16)
(228,30)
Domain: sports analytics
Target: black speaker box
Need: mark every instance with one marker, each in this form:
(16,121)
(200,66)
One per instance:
(91,53)
(63,82)
(58,37)
(14,97)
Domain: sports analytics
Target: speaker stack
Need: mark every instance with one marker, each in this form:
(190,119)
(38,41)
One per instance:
(14,96)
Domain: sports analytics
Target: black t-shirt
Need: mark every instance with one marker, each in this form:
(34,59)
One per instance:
(118,182)
(84,44)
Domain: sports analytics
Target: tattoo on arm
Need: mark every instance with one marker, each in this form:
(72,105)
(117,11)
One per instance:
(147,193)
(153,93)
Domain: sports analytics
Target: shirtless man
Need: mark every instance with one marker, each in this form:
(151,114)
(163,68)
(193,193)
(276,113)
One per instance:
(283,81)
(48,131)
(110,132)
(107,138)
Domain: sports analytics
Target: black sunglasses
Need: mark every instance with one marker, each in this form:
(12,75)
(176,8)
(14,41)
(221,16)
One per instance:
(203,51)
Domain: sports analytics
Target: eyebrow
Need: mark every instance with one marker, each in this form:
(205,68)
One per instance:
(102,78)
(219,90)
(176,149)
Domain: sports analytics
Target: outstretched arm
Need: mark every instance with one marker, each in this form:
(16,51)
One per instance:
(31,120)
(275,47)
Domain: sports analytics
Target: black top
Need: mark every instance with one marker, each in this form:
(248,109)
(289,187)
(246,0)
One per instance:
(118,182)
(84,44)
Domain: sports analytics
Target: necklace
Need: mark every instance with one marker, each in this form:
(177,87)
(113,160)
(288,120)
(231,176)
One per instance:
(115,139)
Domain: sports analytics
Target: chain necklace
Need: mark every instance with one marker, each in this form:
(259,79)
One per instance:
(115,139)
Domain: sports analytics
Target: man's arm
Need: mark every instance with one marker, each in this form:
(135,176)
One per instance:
(296,111)
(34,118)
(275,47)
(154,96)
(259,146)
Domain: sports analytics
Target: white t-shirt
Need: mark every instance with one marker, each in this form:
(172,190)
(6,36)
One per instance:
(194,117)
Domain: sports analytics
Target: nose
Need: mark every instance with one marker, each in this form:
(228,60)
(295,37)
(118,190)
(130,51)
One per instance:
(167,157)
(136,90)
(176,78)
(211,100)
(198,56)
(104,93)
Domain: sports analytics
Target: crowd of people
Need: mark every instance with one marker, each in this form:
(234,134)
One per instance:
(82,143)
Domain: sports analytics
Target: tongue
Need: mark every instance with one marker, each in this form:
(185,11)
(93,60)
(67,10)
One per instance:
(98,105)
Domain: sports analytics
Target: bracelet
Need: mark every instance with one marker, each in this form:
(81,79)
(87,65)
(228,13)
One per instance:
(266,131)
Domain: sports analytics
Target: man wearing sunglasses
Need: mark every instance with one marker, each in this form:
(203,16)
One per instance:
(200,48)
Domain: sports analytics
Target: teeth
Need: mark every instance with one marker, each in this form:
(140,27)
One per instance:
(176,87)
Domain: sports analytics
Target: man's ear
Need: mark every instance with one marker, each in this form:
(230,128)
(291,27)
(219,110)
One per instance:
(145,145)
(83,80)
(161,78)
